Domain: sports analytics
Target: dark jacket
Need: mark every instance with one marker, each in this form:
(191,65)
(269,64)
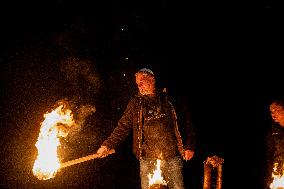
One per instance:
(132,122)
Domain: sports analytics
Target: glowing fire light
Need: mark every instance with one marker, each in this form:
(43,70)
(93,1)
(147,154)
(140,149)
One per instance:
(47,163)
(278,178)
(156,177)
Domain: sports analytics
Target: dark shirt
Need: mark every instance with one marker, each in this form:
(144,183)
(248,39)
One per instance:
(158,130)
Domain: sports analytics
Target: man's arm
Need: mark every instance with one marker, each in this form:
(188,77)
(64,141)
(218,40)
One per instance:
(121,131)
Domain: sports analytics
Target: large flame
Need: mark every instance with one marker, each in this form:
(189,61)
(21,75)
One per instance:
(156,177)
(278,178)
(47,163)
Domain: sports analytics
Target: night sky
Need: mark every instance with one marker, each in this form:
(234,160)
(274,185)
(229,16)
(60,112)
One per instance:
(222,58)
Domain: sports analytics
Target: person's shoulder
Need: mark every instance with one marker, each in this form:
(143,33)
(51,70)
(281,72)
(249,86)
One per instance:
(171,96)
(276,130)
(163,92)
(134,100)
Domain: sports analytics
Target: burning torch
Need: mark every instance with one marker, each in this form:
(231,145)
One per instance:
(56,124)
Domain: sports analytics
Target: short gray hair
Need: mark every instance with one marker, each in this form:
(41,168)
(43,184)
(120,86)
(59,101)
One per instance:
(147,71)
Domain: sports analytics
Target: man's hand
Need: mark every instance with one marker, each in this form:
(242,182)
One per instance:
(188,154)
(103,151)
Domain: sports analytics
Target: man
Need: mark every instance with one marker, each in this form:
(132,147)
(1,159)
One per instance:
(275,140)
(156,129)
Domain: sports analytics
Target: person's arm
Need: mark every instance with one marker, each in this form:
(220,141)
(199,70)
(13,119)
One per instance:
(187,129)
(189,139)
(185,125)
(269,156)
(121,131)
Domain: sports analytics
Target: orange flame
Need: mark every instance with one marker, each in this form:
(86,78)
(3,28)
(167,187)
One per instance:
(47,163)
(156,177)
(278,178)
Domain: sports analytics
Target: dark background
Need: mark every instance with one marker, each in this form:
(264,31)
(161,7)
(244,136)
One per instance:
(224,58)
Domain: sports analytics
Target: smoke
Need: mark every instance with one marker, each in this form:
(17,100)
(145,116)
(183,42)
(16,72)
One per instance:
(80,115)
(82,79)
(79,71)
(82,85)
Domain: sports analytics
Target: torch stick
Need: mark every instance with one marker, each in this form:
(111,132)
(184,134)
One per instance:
(82,159)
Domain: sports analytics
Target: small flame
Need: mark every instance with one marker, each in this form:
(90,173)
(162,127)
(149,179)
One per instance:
(156,177)
(278,178)
(47,163)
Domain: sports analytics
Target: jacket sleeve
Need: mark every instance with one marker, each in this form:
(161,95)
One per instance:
(188,131)
(123,128)
(269,147)
(269,156)
(185,123)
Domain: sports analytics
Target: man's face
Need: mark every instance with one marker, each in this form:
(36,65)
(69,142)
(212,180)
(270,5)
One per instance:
(145,83)
(277,113)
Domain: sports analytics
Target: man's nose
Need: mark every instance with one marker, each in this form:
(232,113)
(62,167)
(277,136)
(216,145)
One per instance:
(274,116)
